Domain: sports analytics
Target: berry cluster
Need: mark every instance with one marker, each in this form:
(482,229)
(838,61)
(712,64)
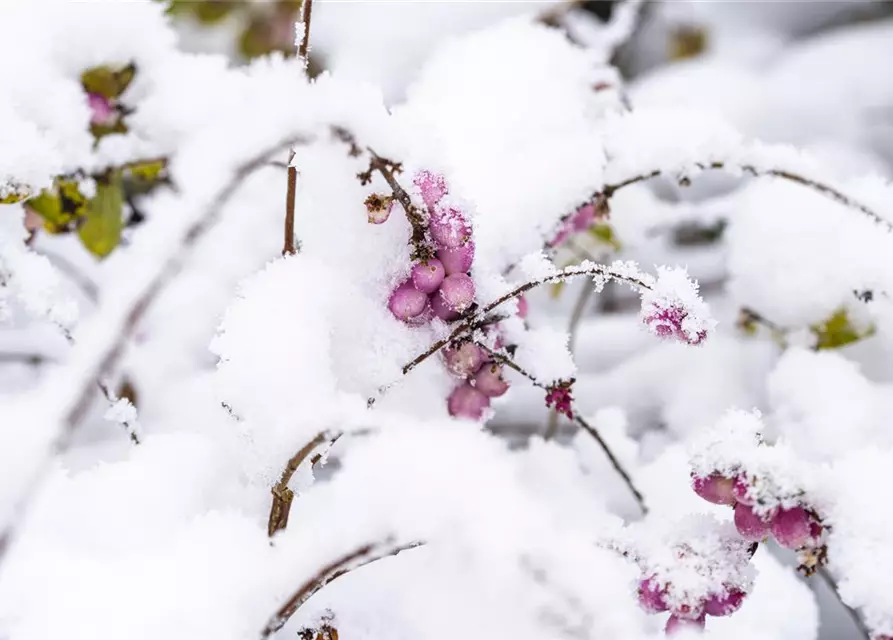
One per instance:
(439,286)
(482,380)
(795,527)
(655,597)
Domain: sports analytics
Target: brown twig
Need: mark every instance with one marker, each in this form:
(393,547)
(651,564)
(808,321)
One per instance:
(129,428)
(95,363)
(288,248)
(360,557)
(304,47)
(504,359)
(422,248)
(282,495)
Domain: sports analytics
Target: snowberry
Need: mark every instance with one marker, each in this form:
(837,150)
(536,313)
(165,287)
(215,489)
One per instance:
(725,604)
(432,186)
(676,624)
(668,322)
(440,308)
(427,276)
(457,291)
(522,307)
(467,402)
(740,489)
(791,527)
(488,380)
(464,360)
(457,259)
(651,596)
(407,302)
(749,524)
(715,488)
(449,228)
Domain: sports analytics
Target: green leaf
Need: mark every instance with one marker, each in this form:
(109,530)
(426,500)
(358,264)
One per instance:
(106,81)
(60,205)
(12,193)
(838,331)
(100,231)
(604,232)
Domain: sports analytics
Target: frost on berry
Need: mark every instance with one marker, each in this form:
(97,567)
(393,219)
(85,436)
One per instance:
(791,527)
(750,524)
(559,396)
(431,185)
(489,380)
(651,596)
(427,276)
(457,292)
(407,302)
(467,402)
(463,361)
(449,227)
(714,488)
(724,604)
(456,259)
(672,308)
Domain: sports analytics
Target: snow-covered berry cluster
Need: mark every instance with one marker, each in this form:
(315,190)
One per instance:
(481,380)
(673,309)
(696,567)
(793,527)
(441,286)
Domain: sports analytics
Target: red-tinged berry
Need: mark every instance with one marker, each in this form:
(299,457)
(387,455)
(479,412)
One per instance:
(464,360)
(489,381)
(749,524)
(714,488)
(427,276)
(457,259)
(467,402)
(407,302)
(724,604)
(791,527)
(652,597)
(676,624)
(457,292)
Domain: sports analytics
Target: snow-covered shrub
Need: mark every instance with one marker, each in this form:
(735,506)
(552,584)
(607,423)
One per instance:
(362,365)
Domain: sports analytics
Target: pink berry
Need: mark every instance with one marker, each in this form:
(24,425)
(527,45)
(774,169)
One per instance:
(522,307)
(488,380)
(676,624)
(464,360)
(457,259)
(102,113)
(791,527)
(440,308)
(651,597)
(467,402)
(740,489)
(750,525)
(407,302)
(689,611)
(583,218)
(427,276)
(449,228)
(457,291)
(714,488)
(724,604)
(432,185)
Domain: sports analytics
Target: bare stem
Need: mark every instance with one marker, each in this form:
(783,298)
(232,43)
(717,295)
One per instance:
(360,557)
(282,495)
(304,47)
(288,248)
(504,359)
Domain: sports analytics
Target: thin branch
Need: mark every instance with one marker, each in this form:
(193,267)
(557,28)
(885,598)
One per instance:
(360,557)
(129,428)
(288,248)
(828,191)
(422,247)
(32,359)
(304,47)
(826,576)
(472,322)
(90,363)
(65,266)
(282,495)
(592,431)
(576,317)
